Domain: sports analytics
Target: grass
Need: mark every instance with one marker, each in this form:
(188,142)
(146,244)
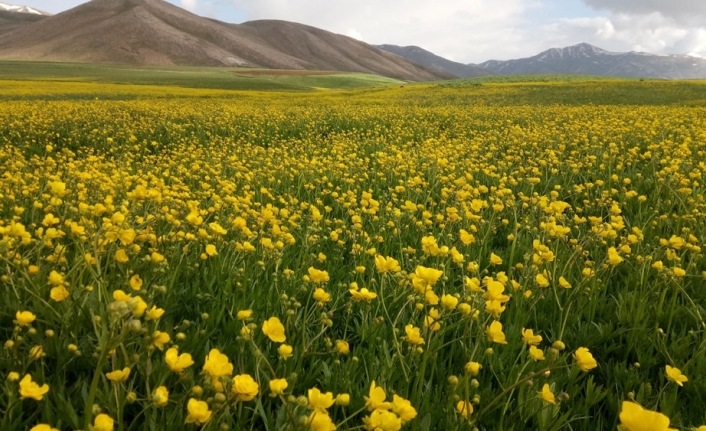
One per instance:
(136,219)
(192,77)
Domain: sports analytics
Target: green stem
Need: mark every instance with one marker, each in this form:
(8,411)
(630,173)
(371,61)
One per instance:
(88,409)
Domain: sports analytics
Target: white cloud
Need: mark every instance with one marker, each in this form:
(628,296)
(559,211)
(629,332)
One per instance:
(463,30)
(682,10)
(653,33)
(189,5)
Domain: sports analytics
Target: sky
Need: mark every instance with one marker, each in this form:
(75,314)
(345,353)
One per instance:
(473,31)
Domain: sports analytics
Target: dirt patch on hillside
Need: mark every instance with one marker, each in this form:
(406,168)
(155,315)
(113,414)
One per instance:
(286,72)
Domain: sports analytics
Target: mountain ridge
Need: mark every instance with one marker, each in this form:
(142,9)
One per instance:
(587,59)
(154,32)
(22,9)
(421,56)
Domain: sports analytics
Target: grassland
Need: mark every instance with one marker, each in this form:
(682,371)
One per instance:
(191,77)
(502,256)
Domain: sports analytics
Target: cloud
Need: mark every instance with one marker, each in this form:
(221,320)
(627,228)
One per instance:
(653,33)
(463,30)
(189,5)
(682,10)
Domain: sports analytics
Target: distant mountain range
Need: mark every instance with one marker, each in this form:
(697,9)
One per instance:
(22,9)
(585,59)
(155,32)
(581,59)
(422,56)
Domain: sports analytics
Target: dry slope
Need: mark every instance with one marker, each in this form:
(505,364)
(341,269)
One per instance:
(154,32)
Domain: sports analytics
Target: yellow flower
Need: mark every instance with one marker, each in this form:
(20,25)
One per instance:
(563,283)
(157,257)
(320,421)
(119,295)
(403,408)
(244,314)
(217,364)
(43,427)
(495,259)
(244,387)
(55,279)
(25,318)
(121,256)
(59,293)
(278,386)
(160,396)
(118,376)
(529,338)
(376,398)
(429,275)
(318,276)
(285,351)
(211,250)
(536,354)
(473,368)
(159,339)
(675,375)
(103,422)
(29,389)
(584,359)
(678,272)
(386,264)
(198,412)
(274,330)
(547,395)
(613,256)
(343,399)
(126,236)
(449,302)
(635,418)
(342,347)
(494,292)
(464,408)
(135,282)
(413,335)
(466,237)
(36,352)
(541,280)
(176,362)
(321,296)
(363,294)
(155,313)
(137,305)
(495,333)
(382,420)
(319,401)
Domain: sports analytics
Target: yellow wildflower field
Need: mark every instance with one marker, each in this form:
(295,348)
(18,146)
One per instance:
(472,257)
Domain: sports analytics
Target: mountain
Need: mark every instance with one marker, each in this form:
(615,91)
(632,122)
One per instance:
(585,59)
(429,59)
(22,9)
(155,32)
(13,17)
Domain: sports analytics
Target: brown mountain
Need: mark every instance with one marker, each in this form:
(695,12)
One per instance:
(12,20)
(154,32)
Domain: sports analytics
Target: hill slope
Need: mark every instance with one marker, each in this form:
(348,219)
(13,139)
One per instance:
(429,59)
(154,32)
(11,20)
(587,59)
